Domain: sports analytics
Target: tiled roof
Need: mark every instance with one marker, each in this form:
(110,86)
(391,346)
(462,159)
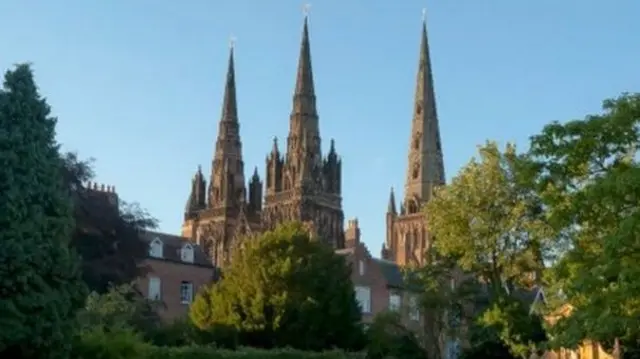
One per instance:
(391,272)
(172,246)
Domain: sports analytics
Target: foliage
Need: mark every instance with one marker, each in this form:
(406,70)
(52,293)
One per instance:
(183,332)
(388,337)
(108,234)
(490,220)
(126,344)
(119,343)
(508,320)
(121,308)
(40,285)
(588,174)
(199,352)
(441,302)
(284,289)
(490,229)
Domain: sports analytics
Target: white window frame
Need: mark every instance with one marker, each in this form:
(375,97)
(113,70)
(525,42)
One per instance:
(361,267)
(186,292)
(395,301)
(187,253)
(156,248)
(158,291)
(363,296)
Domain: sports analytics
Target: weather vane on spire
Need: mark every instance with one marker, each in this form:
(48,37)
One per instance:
(305,9)
(424,14)
(232,42)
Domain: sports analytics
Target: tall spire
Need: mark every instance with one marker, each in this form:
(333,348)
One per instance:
(227,172)
(303,143)
(304,79)
(304,116)
(229,103)
(425,168)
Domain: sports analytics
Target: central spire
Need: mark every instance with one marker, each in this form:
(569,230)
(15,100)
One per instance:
(303,142)
(229,103)
(304,80)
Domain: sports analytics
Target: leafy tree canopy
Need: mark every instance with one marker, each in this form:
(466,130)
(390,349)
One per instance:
(489,228)
(108,232)
(589,178)
(121,308)
(40,284)
(284,289)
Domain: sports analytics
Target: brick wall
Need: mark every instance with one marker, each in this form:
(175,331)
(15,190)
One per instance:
(171,275)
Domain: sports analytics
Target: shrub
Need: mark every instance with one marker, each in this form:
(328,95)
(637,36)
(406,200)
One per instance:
(389,338)
(284,289)
(196,352)
(115,344)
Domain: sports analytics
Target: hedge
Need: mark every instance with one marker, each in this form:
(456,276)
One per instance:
(211,353)
(127,345)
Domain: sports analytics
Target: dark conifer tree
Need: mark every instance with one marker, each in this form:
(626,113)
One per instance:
(40,278)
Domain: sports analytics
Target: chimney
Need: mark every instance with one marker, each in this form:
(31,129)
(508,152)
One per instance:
(352,233)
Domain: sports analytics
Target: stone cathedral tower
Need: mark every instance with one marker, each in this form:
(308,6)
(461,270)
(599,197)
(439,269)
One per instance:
(228,208)
(302,185)
(407,238)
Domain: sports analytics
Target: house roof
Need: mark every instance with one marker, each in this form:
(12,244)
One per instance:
(172,246)
(392,273)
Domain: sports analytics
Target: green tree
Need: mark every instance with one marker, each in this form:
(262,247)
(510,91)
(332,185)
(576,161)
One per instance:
(490,223)
(107,235)
(284,289)
(121,308)
(589,178)
(40,284)
(389,338)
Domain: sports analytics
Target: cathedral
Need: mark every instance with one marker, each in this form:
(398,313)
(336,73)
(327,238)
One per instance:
(300,184)
(303,185)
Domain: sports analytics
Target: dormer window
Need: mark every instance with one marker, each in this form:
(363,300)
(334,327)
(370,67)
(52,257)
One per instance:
(156,248)
(186,253)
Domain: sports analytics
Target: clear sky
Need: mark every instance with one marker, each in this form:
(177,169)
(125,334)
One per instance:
(137,84)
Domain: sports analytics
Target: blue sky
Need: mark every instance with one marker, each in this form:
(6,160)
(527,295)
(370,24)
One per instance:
(138,84)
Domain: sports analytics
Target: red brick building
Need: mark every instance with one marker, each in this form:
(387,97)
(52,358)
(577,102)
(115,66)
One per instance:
(177,270)
(379,284)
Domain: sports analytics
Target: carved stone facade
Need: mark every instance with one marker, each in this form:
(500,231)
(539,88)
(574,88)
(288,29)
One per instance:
(301,184)
(407,237)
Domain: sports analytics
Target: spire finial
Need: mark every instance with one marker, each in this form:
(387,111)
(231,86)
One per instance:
(232,42)
(424,14)
(305,10)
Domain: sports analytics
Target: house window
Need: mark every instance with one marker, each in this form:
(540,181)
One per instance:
(186,292)
(155,248)
(395,301)
(186,253)
(154,288)
(363,296)
(414,310)
(361,267)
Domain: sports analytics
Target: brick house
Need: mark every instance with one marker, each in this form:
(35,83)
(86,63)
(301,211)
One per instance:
(378,283)
(177,269)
